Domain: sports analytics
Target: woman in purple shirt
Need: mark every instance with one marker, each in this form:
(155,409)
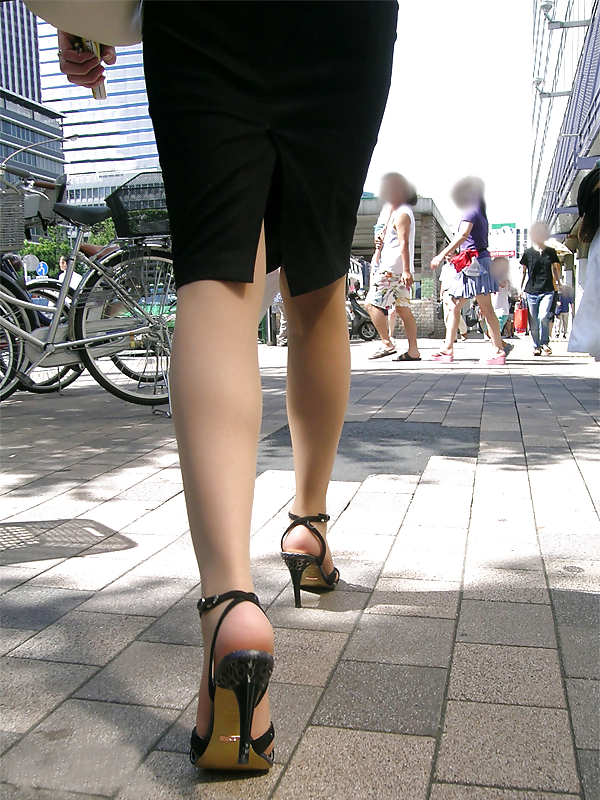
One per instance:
(478,282)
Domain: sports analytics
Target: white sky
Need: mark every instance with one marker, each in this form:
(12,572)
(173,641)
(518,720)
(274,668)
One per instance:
(460,103)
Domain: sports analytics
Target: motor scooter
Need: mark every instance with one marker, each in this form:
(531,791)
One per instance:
(359,322)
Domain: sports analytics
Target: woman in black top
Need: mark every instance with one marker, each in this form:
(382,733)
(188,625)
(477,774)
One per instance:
(542,269)
(266,115)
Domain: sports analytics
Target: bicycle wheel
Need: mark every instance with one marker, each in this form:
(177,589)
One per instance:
(45,378)
(11,352)
(133,300)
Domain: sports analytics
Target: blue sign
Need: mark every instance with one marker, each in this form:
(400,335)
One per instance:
(42,269)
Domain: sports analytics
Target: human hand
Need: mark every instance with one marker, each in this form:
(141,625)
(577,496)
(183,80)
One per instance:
(407,279)
(82,68)
(435,262)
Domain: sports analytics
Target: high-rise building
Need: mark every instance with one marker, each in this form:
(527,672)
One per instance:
(566,119)
(24,121)
(19,64)
(115,136)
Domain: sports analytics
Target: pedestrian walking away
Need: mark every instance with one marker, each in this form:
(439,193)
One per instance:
(447,275)
(259,173)
(541,278)
(563,312)
(585,334)
(282,329)
(394,277)
(474,280)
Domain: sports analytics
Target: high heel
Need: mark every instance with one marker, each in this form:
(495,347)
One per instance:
(235,688)
(305,569)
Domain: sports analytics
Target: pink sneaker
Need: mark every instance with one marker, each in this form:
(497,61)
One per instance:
(445,358)
(496,361)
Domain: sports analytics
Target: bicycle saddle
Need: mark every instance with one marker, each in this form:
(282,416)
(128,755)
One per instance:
(82,215)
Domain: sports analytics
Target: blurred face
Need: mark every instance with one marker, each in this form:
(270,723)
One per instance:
(62,263)
(467,192)
(539,232)
(393,190)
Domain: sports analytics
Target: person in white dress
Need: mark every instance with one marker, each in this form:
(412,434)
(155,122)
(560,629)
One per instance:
(585,334)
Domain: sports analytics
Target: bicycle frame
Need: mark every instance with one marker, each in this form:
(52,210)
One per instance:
(48,345)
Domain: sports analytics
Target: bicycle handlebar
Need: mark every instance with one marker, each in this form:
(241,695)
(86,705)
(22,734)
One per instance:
(26,175)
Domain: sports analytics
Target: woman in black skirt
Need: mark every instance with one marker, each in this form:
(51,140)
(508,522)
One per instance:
(266,115)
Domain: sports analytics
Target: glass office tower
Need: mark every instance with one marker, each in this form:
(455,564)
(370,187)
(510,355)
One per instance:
(19,65)
(115,136)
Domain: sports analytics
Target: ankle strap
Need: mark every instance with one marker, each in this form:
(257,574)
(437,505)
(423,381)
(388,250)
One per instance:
(307,522)
(315,518)
(207,604)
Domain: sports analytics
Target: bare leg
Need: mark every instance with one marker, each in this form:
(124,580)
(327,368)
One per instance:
(410,329)
(380,321)
(318,384)
(392,322)
(485,304)
(453,322)
(216,397)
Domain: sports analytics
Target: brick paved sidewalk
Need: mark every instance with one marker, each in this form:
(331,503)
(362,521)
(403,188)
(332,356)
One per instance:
(458,660)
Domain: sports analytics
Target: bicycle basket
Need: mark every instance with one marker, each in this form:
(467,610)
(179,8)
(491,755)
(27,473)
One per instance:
(139,208)
(12,220)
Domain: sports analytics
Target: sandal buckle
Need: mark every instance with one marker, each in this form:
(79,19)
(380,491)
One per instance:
(207,603)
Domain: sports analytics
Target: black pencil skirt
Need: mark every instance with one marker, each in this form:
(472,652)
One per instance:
(266,111)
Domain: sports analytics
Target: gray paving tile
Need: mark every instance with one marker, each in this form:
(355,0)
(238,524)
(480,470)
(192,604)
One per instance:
(166,776)
(528,625)
(584,702)
(339,764)
(412,598)
(150,674)
(576,609)
(505,585)
(85,747)
(424,564)
(447,791)
(7,739)
(383,697)
(142,595)
(33,608)
(580,651)
(11,638)
(332,611)
(497,745)
(415,641)
(573,575)
(8,792)
(524,676)
(589,766)
(179,625)
(83,637)
(306,657)
(32,688)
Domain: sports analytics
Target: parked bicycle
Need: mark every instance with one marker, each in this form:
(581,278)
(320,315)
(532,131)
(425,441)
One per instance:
(119,321)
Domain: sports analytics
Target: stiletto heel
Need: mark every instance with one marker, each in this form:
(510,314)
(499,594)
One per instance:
(236,687)
(305,569)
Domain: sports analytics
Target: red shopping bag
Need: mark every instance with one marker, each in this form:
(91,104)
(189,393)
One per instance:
(520,318)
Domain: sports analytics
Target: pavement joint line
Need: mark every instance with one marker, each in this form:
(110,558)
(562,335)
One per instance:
(461,590)
(561,665)
(350,634)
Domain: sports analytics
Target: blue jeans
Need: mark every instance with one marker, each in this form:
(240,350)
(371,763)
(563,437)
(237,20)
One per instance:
(540,306)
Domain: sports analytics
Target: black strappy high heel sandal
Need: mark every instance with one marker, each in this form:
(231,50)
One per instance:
(235,687)
(307,570)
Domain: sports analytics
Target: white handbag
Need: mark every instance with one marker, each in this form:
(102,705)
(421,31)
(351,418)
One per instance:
(113,22)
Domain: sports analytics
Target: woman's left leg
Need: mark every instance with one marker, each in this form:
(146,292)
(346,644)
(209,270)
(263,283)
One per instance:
(485,304)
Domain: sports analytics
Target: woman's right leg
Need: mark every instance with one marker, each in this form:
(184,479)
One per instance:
(533,302)
(216,397)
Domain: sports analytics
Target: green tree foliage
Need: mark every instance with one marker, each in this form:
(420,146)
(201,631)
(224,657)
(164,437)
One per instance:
(49,248)
(103,232)
(54,244)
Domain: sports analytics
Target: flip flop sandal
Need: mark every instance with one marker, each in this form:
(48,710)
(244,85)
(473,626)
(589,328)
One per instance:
(496,361)
(382,352)
(406,357)
(445,358)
